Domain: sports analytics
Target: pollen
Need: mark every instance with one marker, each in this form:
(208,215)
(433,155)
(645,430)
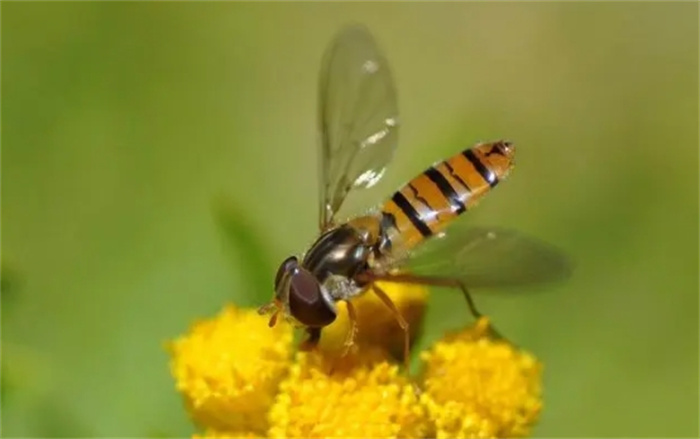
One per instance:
(478,387)
(376,323)
(228,369)
(360,395)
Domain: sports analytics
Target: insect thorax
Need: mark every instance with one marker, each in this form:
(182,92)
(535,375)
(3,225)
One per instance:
(341,254)
(342,251)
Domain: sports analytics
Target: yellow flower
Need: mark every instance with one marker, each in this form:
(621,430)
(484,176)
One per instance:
(239,378)
(476,387)
(360,395)
(376,324)
(228,369)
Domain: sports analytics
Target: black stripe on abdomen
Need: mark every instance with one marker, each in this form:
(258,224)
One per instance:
(456,176)
(411,213)
(446,189)
(485,173)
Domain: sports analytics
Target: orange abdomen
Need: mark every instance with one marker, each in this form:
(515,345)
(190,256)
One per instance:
(428,203)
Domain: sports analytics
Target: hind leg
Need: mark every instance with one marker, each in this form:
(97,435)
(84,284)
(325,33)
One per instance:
(384,297)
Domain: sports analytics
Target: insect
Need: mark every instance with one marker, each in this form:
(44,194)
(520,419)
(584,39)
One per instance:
(406,239)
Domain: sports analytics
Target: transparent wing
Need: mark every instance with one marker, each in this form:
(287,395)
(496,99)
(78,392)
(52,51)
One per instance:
(358,118)
(483,257)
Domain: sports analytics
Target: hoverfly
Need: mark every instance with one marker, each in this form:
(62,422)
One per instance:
(406,238)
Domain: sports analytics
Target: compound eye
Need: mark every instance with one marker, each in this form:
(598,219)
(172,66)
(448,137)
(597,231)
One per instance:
(306,302)
(287,266)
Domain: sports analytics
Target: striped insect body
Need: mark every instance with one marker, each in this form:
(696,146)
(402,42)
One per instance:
(358,122)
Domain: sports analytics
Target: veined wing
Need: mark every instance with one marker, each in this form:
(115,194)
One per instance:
(483,257)
(358,118)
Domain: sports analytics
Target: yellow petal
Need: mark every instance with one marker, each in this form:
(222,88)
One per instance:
(228,369)
(476,387)
(360,395)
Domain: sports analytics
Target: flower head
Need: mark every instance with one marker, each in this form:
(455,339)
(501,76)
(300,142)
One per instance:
(477,387)
(376,325)
(360,395)
(228,369)
(239,379)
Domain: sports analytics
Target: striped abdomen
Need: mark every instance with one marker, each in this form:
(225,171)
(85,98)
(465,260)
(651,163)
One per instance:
(429,202)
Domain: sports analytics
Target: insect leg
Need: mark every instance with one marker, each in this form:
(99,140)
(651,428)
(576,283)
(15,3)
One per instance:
(352,331)
(399,318)
(430,281)
(437,282)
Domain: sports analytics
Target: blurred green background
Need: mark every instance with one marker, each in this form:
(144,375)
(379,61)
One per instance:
(158,161)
